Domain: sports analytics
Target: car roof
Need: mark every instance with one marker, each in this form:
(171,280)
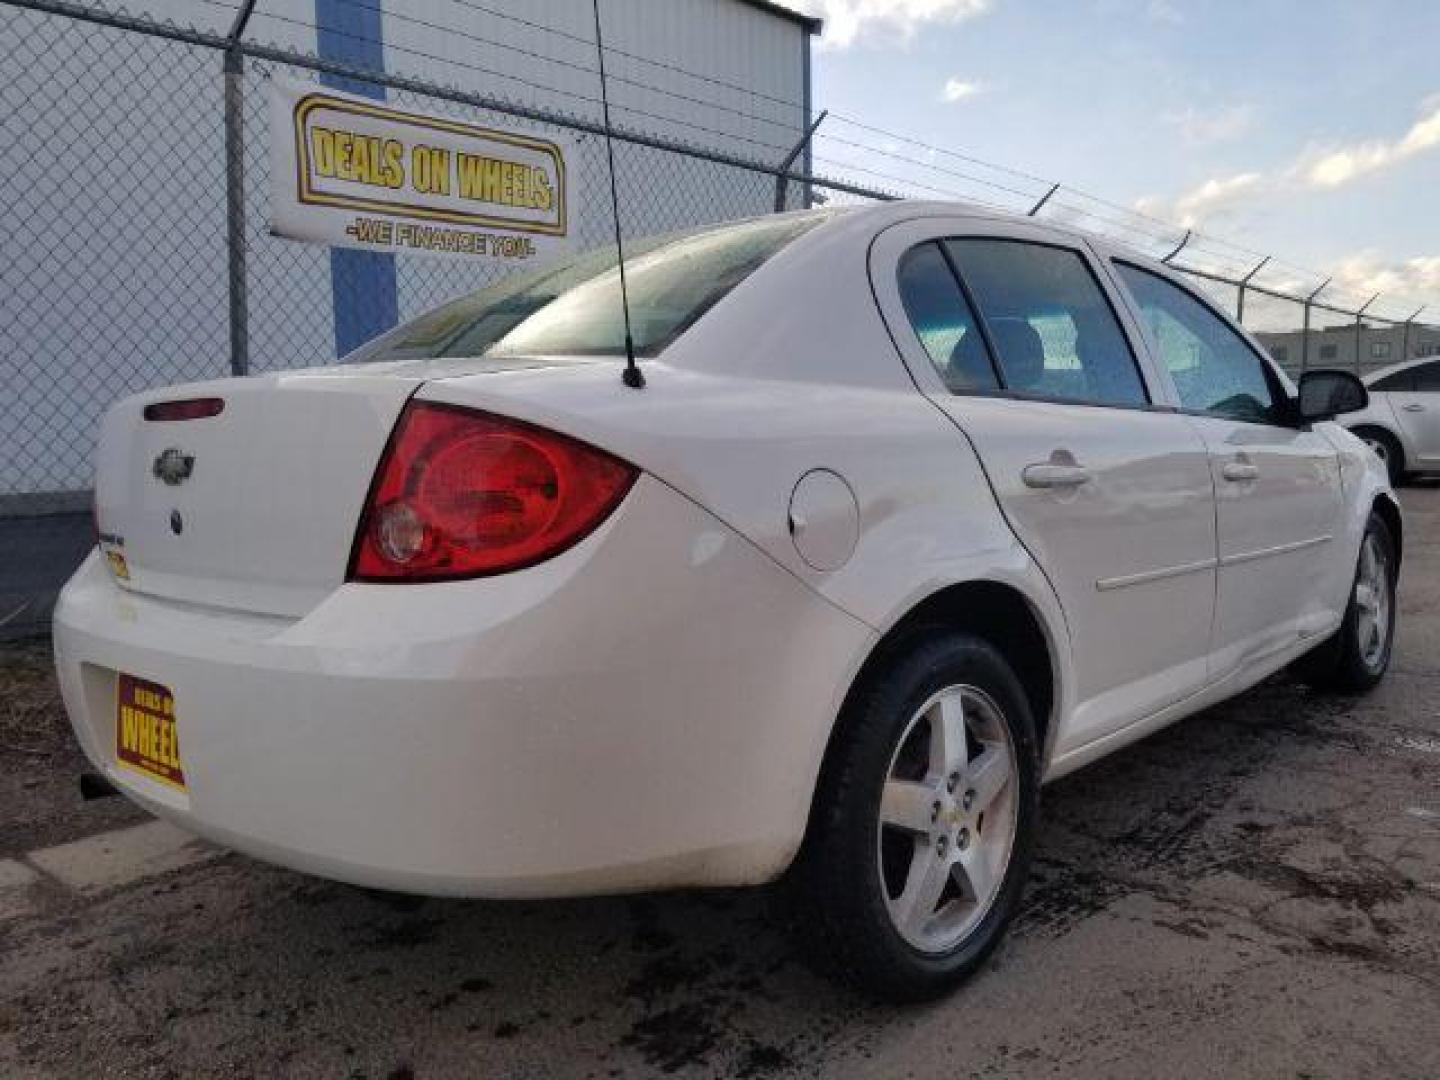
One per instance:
(880,216)
(897,210)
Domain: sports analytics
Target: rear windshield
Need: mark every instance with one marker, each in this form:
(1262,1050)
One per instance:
(573,307)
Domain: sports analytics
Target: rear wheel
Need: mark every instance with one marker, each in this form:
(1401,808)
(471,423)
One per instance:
(922,830)
(1357,656)
(1387,448)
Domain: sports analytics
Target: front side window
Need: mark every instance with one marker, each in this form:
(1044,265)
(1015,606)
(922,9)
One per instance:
(1215,371)
(573,308)
(1053,331)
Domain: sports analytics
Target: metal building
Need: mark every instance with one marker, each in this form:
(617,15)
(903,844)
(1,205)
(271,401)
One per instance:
(118,274)
(95,271)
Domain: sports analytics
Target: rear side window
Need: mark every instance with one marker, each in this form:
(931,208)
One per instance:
(944,322)
(1053,331)
(1215,371)
(1427,377)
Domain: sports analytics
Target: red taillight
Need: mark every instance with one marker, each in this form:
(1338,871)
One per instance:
(461,493)
(186,409)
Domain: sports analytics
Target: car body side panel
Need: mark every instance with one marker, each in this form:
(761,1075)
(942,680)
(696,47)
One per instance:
(1418,415)
(772,384)
(1124,551)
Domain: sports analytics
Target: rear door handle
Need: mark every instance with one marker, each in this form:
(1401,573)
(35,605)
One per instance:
(1413,406)
(1048,475)
(1239,470)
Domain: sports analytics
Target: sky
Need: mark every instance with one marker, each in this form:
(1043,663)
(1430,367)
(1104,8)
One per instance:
(1308,130)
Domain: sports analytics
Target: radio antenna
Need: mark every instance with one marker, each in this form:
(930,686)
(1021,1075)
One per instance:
(632,377)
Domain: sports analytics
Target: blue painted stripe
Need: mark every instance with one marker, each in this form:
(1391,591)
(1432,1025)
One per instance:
(362,283)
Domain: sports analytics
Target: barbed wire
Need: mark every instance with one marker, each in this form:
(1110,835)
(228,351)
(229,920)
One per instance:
(586,69)
(561,92)
(1061,199)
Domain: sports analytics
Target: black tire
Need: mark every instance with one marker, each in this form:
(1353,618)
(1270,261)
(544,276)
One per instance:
(841,900)
(1388,449)
(1340,664)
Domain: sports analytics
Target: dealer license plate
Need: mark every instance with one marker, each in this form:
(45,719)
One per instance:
(145,738)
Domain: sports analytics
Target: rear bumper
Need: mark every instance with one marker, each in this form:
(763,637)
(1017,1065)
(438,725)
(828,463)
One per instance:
(647,710)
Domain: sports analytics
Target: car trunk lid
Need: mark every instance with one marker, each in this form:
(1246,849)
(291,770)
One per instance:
(254,508)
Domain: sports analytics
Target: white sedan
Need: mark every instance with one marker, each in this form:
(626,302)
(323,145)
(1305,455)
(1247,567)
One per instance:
(1402,422)
(918,508)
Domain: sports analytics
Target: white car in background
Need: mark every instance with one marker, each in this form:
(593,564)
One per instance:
(1402,422)
(919,508)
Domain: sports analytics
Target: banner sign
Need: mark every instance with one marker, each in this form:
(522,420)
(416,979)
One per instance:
(353,172)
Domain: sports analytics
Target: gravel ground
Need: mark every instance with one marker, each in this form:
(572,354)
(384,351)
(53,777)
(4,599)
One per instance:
(1253,892)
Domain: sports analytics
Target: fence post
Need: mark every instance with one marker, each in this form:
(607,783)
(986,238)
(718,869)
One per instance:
(1405,340)
(1360,329)
(1240,295)
(1178,247)
(782,185)
(1040,205)
(235,192)
(1305,333)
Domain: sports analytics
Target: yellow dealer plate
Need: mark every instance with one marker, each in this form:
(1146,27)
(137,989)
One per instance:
(145,738)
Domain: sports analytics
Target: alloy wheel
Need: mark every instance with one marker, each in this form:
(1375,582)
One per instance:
(1373,602)
(947,818)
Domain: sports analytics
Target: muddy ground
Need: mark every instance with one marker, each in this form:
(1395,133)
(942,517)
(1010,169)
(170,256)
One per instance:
(1252,893)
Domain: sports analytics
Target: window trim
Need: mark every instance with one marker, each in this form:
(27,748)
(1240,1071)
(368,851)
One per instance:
(1277,387)
(1086,260)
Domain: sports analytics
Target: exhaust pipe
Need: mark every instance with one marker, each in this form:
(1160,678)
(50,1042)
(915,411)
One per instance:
(94,786)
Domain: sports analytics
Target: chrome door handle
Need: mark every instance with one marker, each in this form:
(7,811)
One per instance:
(1413,406)
(1048,475)
(1239,470)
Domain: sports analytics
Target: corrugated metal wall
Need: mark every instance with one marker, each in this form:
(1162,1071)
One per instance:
(114,276)
(748,98)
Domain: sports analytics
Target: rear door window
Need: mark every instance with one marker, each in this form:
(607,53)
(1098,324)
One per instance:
(1051,327)
(943,321)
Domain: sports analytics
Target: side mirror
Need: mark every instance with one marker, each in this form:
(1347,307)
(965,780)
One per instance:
(1326,394)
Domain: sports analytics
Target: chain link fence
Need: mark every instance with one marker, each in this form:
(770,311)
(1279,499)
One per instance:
(118,268)
(121,191)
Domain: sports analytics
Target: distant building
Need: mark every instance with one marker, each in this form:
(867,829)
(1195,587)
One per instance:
(1363,349)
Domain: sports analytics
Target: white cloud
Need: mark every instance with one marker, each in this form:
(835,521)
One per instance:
(1339,166)
(848,20)
(1214,125)
(1366,273)
(958,90)
(1210,198)
(1313,170)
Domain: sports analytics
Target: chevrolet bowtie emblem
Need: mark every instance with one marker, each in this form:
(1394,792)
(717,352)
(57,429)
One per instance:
(173,466)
